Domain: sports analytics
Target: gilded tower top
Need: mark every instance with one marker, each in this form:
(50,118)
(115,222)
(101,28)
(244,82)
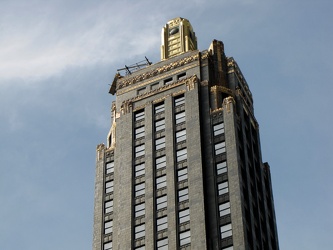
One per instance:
(177,38)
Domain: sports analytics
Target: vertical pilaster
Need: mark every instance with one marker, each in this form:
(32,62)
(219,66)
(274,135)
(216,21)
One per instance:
(122,226)
(234,171)
(98,207)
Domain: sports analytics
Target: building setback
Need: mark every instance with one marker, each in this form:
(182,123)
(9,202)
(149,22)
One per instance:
(182,168)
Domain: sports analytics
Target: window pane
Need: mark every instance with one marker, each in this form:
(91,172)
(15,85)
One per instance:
(218,129)
(179,100)
(107,246)
(140,189)
(219,148)
(139,115)
(221,167)
(226,231)
(139,231)
(161,202)
(184,216)
(109,167)
(109,187)
(224,209)
(160,125)
(108,227)
(139,132)
(180,117)
(184,238)
(181,135)
(109,206)
(223,188)
(140,150)
(159,108)
(183,195)
(161,182)
(139,169)
(140,209)
(181,154)
(182,174)
(160,162)
(160,143)
(162,223)
(162,244)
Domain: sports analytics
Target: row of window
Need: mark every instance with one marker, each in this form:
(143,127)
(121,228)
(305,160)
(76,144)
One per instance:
(165,82)
(182,174)
(108,205)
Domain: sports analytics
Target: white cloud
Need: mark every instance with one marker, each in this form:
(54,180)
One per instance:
(44,44)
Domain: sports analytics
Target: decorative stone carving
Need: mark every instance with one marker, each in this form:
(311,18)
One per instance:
(189,81)
(154,72)
(126,107)
(112,132)
(190,84)
(227,102)
(100,150)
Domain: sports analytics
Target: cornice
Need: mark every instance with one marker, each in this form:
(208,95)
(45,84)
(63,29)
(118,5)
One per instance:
(189,81)
(144,76)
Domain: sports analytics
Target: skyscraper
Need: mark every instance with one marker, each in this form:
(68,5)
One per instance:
(182,167)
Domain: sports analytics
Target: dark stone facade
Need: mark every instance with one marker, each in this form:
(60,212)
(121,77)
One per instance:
(215,92)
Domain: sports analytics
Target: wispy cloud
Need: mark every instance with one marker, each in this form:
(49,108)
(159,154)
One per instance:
(39,44)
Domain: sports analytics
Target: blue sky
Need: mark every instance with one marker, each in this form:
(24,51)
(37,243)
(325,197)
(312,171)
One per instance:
(58,57)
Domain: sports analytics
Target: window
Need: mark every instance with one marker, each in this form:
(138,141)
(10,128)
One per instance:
(182,174)
(181,154)
(109,167)
(139,115)
(108,206)
(221,167)
(218,129)
(139,150)
(185,238)
(183,195)
(154,86)
(226,231)
(219,148)
(160,162)
(168,81)
(223,188)
(160,125)
(141,91)
(139,169)
(180,100)
(140,210)
(139,132)
(181,136)
(108,187)
(108,227)
(139,231)
(181,76)
(162,223)
(160,143)
(140,248)
(161,182)
(161,202)
(139,189)
(107,246)
(162,244)
(159,108)
(184,216)
(180,117)
(224,209)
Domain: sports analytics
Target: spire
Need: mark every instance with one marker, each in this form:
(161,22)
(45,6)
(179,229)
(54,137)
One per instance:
(177,38)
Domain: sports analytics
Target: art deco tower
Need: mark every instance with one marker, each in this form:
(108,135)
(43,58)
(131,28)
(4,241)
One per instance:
(182,168)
